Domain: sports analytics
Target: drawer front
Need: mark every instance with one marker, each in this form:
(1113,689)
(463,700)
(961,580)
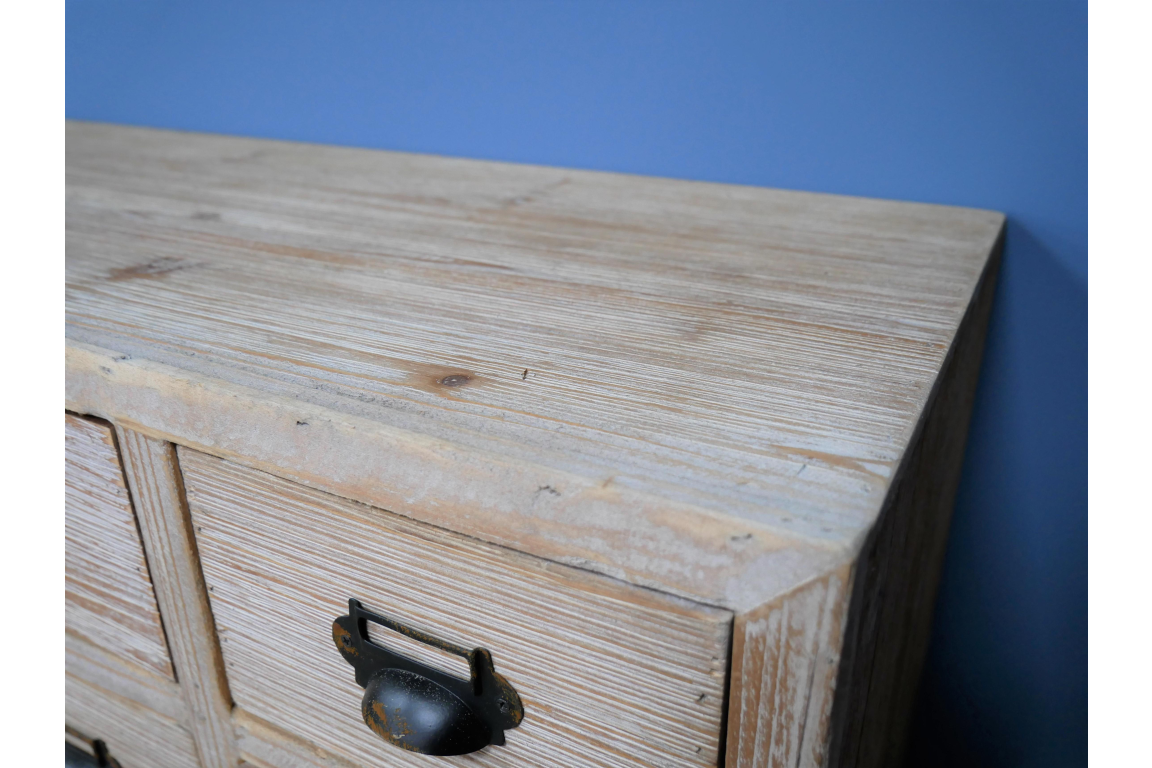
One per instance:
(108,599)
(609,674)
(136,736)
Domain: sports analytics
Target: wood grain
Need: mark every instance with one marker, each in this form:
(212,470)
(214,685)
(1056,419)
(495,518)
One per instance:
(754,359)
(753,399)
(108,598)
(897,573)
(265,746)
(123,677)
(610,674)
(785,656)
(154,478)
(674,547)
(138,737)
(818,679)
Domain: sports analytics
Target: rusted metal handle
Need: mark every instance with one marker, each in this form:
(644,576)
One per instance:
(417,707)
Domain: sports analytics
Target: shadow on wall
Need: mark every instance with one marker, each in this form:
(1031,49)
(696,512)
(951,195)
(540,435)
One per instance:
(1013,602)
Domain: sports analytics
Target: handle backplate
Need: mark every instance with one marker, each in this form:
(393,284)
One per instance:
(418,707)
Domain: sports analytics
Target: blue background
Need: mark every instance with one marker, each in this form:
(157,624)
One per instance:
(965,103)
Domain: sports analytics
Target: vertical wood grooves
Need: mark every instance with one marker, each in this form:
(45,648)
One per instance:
(784,658)
(726,711)
(824,667)
(809,685)
(115,434)
(154,476)
(777,659)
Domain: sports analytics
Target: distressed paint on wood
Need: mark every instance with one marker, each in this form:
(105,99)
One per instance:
(609,674)
(154,477)
(108,597)
(750,357)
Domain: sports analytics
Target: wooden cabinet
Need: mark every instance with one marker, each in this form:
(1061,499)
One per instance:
(679,456)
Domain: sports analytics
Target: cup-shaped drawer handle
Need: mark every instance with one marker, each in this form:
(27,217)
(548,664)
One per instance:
(418,707)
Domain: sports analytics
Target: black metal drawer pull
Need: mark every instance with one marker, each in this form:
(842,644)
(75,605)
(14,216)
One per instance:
(418,707)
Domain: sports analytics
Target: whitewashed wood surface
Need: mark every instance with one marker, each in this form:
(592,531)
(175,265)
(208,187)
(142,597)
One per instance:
(108,596)
(154,477)
(609,674)
(137,736)
(785,658)
(698,387)
(123,677)
(709,390)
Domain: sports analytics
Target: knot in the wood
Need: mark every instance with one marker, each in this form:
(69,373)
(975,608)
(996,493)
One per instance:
(455,380)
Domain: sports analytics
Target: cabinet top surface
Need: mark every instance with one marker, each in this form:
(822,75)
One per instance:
(762,354)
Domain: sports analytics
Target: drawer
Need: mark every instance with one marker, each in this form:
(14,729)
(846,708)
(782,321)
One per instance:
(119,683)
(109,601)
(136,736)
(609,674)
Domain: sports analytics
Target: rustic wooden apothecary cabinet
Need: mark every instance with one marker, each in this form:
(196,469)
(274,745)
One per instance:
(679,456)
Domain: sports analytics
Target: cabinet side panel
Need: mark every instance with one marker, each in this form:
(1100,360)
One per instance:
(898,571)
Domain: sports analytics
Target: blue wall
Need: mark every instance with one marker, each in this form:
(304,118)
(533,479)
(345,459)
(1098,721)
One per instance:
(967,103)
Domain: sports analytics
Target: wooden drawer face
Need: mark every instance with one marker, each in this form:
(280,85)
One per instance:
(609,674)
(137,736)
(108,598)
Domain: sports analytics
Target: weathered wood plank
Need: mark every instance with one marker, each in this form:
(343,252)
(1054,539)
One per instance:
(667,545)
(752,358)
(123,677)
(898,570)
(154,478)
(108,597)
(137,736)
(785,656)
